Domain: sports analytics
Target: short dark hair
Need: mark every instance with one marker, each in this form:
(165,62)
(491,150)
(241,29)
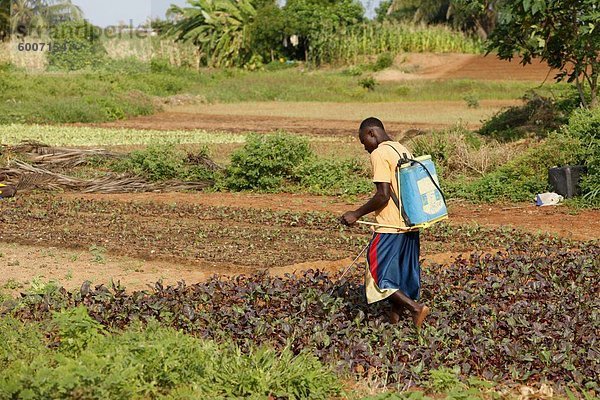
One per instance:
(371,122)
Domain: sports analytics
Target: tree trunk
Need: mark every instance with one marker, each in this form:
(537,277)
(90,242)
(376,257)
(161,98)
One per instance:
(594,85)
(581,92)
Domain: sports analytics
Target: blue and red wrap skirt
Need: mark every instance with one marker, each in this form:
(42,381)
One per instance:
(393,264)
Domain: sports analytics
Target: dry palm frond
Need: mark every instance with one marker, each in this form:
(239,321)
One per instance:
(40,154)
(27,176)
(32,180)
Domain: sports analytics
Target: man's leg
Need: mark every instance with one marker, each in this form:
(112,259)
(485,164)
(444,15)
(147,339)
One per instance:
(418,311)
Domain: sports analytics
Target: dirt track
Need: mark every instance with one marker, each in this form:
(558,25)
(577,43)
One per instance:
(329,119)
(252,123)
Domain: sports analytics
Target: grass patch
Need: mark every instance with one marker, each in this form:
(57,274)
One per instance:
(116,93)
(90,136)
(340,86)
(85,361)
(522,177)
(85,96)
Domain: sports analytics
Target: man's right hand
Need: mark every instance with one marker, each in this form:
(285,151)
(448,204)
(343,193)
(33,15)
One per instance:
(349,218)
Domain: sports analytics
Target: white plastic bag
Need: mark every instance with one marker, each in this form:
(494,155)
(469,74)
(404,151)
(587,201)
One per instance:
(548,199)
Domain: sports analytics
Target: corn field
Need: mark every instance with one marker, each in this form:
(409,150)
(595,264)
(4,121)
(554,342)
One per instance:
(179,54)
(357,44)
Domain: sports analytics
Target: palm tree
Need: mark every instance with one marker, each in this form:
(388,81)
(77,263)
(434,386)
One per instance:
(475,16)
(4,19)
(220,29)
(38,15)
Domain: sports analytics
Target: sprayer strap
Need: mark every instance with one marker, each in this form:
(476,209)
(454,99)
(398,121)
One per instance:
(421,164)
(393,195)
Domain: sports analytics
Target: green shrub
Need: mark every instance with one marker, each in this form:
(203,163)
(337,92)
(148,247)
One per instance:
(584,126)
(164,162)
(521,178)
(161,65)
(471,100)
(19,342)
(266,162)
(76,329)
(384,60)
(538,116)
(75,45)
(368,83)
(354,70)
(443,379)
(148,362)
(334,177)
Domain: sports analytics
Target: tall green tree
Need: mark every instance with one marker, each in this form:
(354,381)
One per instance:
(472,16)
(564,33)
(34,17)
(4,19)
(220,29)
(313,21)
(267,30)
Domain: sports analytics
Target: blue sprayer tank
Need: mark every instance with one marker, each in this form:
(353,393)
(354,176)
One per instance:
(422,201)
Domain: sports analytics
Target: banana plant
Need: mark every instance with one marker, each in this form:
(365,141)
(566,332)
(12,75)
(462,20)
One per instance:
(219,28)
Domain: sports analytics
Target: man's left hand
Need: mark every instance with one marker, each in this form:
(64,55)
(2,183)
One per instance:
(349,218)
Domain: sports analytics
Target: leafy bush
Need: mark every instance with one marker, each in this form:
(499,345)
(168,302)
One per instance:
(353,70)
(164,162)
(368,83)
(334,177)
(150,362)
(76,329)
(584,126)
(521,178)
(266,162)
(76,45)
(286,162)
(384,60)
(471,100)
(538,116)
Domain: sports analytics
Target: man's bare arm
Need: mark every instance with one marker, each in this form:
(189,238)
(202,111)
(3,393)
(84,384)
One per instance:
(378,201)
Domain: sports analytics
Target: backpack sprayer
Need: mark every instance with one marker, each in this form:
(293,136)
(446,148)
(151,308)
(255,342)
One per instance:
(423,202)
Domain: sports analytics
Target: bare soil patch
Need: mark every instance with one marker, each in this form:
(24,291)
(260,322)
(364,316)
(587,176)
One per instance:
(333,119)
(464,66)
(22,264)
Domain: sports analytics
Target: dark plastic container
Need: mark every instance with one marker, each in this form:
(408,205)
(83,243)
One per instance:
(565,180)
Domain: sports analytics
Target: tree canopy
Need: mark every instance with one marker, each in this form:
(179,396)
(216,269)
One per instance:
(220,29)
(473,16)
(564,33)
(35,15)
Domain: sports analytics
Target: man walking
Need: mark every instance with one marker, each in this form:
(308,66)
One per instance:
(393,255)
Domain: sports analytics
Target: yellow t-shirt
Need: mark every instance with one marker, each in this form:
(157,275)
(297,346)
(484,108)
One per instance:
(384,161)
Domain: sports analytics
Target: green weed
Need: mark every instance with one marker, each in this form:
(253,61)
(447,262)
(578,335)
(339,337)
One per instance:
(147,362)
(98,254)
(266,162)
(164,162)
